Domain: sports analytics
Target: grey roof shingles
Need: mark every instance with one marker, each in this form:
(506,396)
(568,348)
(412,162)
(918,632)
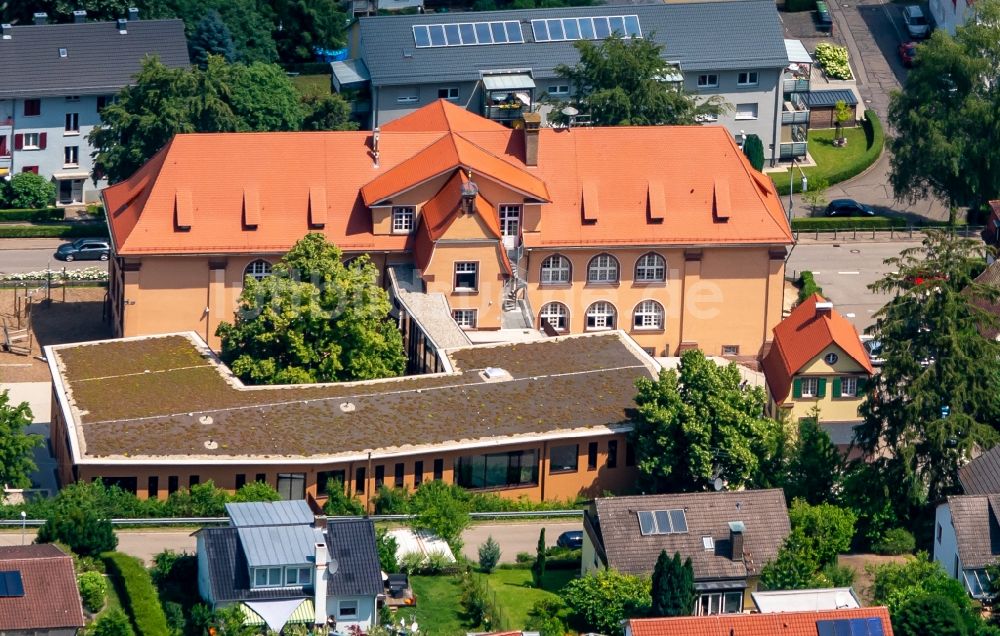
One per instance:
(763,513)
(977,532)
(98,58)
(270,513)
(981,476)
(228,573)
(713,36)
(352,543)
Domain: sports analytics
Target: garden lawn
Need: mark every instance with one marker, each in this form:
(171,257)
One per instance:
(438,610)
(312,85)
(516,594)
(832,163)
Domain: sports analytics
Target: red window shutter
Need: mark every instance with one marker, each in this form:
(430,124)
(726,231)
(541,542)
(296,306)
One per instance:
(3,146)
(18,141)
(42,137)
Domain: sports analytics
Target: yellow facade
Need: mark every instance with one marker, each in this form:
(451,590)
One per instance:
(831,380)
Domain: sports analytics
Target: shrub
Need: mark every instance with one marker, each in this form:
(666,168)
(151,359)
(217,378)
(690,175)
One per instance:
(392,501)
(929,614)
(256,491)
(538,569)
(139,595)
(83,529)
(387,548)
(600,601)
(489,555)
(544,618)
(474,600)
(411,563)
(33,215)
(896,541)
(79,230)
(28,190)
(753,148)
(524,557)
(113,622)
(93,590)
(823,531)
(833,59)
(435,563)
(338,503)
(847,223)
(840,575)
(201,500)
(808,286)
(442,509)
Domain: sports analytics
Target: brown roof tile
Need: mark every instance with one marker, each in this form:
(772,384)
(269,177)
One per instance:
(981,476)
(51,599)
(977,531)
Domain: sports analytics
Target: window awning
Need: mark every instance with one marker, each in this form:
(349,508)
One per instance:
(349,74)
(718,586)
(276,614)
(511,82)
(797,53)
(70,175)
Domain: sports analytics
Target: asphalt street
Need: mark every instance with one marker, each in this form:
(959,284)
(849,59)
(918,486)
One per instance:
(31,255)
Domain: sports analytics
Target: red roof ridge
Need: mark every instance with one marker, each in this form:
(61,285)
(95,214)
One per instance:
(758,178)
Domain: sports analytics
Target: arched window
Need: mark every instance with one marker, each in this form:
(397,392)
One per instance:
(555,269)
(601,315)
(259,269)
(650,268)
(648,315)
(556,315)
(603,268)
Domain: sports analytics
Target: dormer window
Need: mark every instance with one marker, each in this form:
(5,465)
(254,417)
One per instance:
(402,219)
(298,576)
(267,577)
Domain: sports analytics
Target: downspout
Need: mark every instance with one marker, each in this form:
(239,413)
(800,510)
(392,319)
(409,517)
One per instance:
(543,468)
(779,89)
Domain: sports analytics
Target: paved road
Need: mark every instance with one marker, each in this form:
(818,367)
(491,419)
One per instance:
(512,537)
(30,255)
(844,271)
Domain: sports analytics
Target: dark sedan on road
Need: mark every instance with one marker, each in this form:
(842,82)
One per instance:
(572,539)
(84,249)
(907,53)
(848,207)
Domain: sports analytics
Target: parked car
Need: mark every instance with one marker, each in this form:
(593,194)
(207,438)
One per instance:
(916,22)
(823,20)
(848,207)
(907,53)
(873,347)
(84,249)
(572,539)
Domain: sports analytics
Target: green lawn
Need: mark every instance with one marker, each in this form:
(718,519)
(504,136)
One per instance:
(829,159)
(516,594)
(438,610)
(312,85)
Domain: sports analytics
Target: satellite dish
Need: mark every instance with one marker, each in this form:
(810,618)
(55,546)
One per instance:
(569,111)
(332,566)
(718,483)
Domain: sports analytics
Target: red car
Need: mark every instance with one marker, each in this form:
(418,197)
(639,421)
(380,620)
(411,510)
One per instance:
(907,53)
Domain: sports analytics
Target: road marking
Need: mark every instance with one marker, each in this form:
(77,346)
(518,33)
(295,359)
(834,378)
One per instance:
(850,315)
(849,273)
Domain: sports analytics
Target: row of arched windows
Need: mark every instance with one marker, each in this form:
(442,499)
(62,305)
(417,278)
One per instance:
(648,314)
(604,268)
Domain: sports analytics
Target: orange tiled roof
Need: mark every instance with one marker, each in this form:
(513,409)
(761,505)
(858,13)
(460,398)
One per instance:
(674,170)
(801,337)
(777,624)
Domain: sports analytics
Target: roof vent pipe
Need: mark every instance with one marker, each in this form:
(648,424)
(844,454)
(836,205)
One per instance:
(8,31)
(133,14)
(41,18)
(824,309)
(122,26)
(79,16)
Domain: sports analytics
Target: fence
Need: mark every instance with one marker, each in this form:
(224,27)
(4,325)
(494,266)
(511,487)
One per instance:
(909,232)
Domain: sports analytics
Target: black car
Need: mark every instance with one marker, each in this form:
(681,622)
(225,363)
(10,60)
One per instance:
(848,207)
(84,249)
(572,540)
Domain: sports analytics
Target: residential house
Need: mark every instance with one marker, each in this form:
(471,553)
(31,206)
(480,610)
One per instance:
(38,593)
(282,567)
(991,232)
(868,621)
(990,278)
(967,540)
(544,420)
(500,63)
(816,360)
(666,232)
(57,79)
(728,536)
(981,476)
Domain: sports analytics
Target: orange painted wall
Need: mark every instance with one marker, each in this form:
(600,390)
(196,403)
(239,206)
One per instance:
(488,299)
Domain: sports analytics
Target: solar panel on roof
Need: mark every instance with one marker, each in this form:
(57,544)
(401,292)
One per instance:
(677,521)
(10,583)
(562,29)
(875,627)
(466,34)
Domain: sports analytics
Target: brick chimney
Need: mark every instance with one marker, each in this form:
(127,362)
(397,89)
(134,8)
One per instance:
(736,529)
(824,309)
(532,121)
(319,583)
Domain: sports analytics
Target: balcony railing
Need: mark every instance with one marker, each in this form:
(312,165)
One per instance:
(499,113)
(795,86)
(792,150)
(795,117)
(6,121)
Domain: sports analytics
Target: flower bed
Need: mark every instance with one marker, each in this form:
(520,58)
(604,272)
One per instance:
(87,273)
(833,59)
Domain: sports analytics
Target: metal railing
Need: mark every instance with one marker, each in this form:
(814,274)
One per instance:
(795,116)
(795,85)
(901,233)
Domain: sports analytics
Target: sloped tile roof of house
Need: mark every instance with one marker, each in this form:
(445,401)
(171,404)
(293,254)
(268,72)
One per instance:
(98,58)
(801,336)
(352,543)
(991,277)
(710,36)
(981,476)
(977,528)
(779,624)
(763,513)
(47,598)
(212,177)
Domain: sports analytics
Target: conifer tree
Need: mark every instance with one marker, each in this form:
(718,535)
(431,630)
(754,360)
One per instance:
(211,37)
(673,586)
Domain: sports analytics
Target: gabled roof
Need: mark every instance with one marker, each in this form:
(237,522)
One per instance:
(228,571)
(442,116)
(801,337)
(977,529)
(352,543)
(713,36)
(269,513)
(50,600)
(763,513)
(99,59)
(981,476)
(779,624)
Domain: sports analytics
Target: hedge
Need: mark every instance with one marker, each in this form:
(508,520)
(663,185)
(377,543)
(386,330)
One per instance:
(138,594)
(805,224)
(94,230)
(809,286)
(32,214)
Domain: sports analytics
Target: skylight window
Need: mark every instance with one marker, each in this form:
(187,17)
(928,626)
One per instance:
(467,34)
(597,28)
(662,522)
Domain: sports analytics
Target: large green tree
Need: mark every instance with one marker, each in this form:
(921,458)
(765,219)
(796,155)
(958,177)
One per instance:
(933,402)
(697,423)
(305,25)
(211,37)
(623,82)
(947,117)
(16,445)
(815,466)
(313,320)
(673,591)
(601,600)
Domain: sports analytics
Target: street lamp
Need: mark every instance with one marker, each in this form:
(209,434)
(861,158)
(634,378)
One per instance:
(24,520)
(791,186)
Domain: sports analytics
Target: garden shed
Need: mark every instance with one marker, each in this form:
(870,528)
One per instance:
(822,104)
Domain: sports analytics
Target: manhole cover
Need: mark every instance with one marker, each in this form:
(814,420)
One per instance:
(855,251)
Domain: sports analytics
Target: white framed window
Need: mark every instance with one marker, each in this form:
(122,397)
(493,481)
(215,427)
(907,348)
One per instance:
(556,315)
(601,315)
(71,156)
(558,89)
(31,141)
(648,315)
(267,577)
(450,93)
(603,268)
(747,78)
(510,220)
(258,269)
(848,387)
(719,603)
(708,80)
(466,318)
(348,609)
(402,219)
(746,111)
(556,269)
(810,387)
(466,276)
(70,98)
(730,350)
(408,96)
(708,543)
(72,123)
(650,268)
(298,576)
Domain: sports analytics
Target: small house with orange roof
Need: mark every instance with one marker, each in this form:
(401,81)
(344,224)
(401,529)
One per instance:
(816,360)
(865,621)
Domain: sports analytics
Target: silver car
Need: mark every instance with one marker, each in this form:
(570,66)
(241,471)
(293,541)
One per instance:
(916,23)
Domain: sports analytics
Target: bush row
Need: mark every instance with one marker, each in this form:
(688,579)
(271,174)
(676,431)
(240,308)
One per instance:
(808,286)
(94,230)
(139,596)
(859,223)
(33,215)
(398,501)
